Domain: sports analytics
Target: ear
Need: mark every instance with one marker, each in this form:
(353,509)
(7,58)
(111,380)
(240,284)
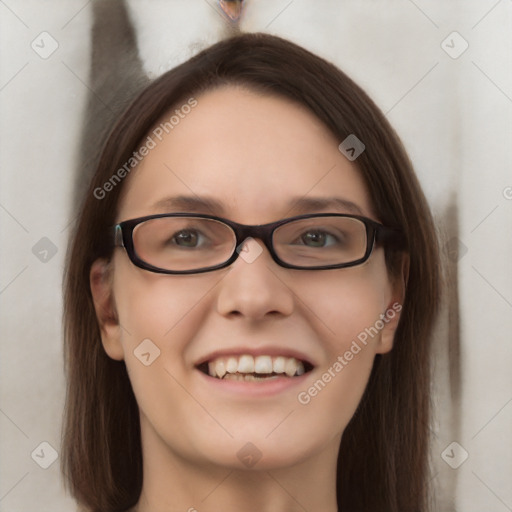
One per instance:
(101,280)
(391,316)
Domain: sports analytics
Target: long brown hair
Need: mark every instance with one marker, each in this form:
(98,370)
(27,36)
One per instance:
(383,458)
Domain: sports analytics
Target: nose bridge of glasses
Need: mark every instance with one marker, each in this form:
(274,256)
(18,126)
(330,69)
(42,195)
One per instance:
(261,232)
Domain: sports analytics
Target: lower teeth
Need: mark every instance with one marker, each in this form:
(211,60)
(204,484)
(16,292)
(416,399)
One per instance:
(247,377)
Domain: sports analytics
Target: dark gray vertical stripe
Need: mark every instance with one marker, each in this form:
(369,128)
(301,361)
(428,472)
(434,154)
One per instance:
(446,347)
(115,77)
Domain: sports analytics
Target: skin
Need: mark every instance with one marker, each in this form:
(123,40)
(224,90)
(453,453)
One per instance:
(252,152)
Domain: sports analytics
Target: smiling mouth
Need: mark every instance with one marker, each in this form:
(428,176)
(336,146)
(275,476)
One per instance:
(248,368)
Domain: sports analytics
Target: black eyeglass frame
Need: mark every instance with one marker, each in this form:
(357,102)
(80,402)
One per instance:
(375,233)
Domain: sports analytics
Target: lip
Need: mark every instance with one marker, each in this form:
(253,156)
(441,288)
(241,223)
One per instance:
(254,388)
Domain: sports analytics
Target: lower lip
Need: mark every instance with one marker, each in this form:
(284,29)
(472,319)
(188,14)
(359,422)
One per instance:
(260,388)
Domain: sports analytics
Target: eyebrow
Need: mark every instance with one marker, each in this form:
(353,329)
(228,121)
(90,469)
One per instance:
(296,205)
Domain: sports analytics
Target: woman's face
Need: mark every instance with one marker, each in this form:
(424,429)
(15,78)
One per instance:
(256,155)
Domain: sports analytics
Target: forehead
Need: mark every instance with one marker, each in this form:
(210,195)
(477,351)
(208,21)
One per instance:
(250,152)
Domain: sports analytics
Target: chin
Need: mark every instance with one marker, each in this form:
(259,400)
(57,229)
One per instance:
(252,450)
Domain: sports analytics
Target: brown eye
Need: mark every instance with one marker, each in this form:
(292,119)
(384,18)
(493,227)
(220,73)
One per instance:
(188,237)
(317,238)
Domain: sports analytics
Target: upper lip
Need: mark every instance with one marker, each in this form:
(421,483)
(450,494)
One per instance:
(260,351)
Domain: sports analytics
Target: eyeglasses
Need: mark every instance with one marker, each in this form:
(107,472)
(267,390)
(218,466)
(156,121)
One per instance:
(184,243)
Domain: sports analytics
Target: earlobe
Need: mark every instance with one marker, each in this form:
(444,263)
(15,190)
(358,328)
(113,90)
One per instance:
(100,278)
(390,319)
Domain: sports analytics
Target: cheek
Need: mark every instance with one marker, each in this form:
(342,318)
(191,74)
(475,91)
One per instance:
(346,308)
(158,315)
(346,305)
(156,306)
(164,310)
(335,393)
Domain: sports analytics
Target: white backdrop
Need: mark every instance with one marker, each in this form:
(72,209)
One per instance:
(451,105)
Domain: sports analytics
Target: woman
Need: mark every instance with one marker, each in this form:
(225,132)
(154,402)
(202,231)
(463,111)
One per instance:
(217,364)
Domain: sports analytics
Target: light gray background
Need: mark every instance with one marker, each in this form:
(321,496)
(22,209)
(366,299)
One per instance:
(453,114)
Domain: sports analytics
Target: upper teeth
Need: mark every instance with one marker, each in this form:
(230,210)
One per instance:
(260,364)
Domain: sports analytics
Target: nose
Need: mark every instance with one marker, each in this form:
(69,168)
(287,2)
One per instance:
(255,286)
